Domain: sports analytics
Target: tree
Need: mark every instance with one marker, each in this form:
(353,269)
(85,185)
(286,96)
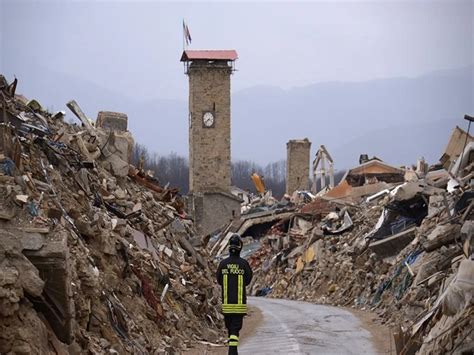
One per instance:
(173,169)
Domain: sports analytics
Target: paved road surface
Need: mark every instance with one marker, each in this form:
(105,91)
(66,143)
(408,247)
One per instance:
(292,327)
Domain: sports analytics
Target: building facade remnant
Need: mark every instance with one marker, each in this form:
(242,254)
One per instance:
(319,169)
(114,121)
(297,165)
(453,151)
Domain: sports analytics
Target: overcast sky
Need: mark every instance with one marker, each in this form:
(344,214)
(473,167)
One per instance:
(134,47)
(124,56)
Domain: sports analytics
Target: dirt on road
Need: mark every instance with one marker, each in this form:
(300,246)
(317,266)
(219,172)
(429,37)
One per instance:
(381,334)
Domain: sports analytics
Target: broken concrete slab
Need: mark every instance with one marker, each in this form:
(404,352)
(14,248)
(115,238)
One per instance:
(7,214)
(31,241)
(115,143)
(407,191)
(10,292)
(76,110)
(114,121)
(52,262)
(249,220)
(461,291)
(117,166)
(454,147)
(392,245)
(27,278)
(441,235)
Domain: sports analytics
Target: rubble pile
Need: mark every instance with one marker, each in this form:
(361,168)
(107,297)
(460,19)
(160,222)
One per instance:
(261,202)
(404,252)
(94,254)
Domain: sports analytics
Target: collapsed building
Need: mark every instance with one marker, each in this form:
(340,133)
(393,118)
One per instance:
(370,177)
(95,255)
(392,240)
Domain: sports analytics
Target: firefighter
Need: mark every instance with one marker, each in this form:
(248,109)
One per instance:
(234,274)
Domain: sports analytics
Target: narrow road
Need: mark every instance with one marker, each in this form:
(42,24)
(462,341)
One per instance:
(292,327)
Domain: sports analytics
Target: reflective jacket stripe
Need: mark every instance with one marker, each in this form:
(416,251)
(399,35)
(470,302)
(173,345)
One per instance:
(234,308)
(240,289)
(230,305)
(225,289)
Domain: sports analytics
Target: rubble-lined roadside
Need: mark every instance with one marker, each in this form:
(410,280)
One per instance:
(94,254)
(393,241)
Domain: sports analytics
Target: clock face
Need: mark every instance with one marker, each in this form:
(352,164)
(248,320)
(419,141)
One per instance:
(208,119)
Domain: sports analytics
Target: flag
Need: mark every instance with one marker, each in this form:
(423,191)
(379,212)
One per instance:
(186,34)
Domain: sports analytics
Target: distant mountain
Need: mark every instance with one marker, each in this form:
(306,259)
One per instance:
(397,119)
(399,145)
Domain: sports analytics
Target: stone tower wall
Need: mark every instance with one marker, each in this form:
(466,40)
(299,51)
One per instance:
(297,165)
(209,148)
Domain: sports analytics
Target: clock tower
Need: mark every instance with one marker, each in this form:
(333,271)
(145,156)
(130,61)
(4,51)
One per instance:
(209,118)
(209,74)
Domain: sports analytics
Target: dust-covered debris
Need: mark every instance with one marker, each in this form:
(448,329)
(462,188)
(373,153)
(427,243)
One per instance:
(403,249)
(95,255)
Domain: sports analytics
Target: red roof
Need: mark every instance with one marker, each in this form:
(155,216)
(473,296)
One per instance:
(189,55)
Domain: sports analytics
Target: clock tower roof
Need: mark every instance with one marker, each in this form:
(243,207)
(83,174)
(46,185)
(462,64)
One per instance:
(190,55)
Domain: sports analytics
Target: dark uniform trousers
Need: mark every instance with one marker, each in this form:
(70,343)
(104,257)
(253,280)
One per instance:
(233,323)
